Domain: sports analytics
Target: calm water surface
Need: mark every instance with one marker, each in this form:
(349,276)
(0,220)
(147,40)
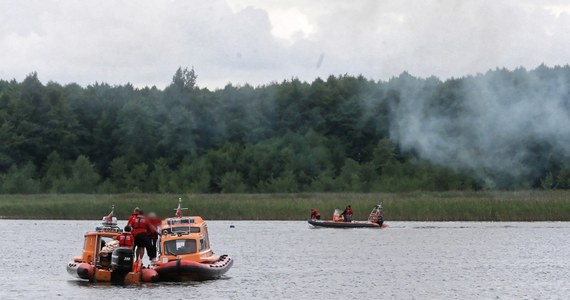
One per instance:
(409,260)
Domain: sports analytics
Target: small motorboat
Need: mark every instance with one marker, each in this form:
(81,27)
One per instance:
(375,220)
(103,261)
(185,253)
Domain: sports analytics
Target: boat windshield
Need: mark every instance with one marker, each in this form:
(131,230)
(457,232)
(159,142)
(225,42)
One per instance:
(180,247)
(104,240)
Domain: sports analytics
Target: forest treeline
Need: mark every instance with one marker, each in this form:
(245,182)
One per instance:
(291,136)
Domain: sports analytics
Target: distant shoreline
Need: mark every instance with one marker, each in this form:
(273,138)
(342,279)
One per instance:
(413,206)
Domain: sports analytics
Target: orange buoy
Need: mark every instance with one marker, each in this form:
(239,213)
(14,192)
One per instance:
(149,275)
(137,266)
(85,271)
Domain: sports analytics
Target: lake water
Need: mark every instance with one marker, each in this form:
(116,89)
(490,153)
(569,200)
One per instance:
(281,260)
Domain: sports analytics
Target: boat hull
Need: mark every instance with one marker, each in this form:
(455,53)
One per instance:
(87,272)
(80,270)
(353,224)
(187,270)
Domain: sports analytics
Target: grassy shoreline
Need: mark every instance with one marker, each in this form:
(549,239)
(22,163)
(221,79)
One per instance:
(414,206)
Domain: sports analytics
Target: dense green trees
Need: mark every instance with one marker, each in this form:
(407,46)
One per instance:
(330,135)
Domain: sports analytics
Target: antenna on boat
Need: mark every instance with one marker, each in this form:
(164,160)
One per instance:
(179,209)
(109,222)
(109,217)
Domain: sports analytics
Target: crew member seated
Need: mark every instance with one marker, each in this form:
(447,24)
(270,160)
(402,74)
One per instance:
(180,247)
(189,247)
(315,214)
(347,214)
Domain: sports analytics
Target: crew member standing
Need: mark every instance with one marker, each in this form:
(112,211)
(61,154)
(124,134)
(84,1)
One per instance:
(133,216)
(141,229)
(155,221)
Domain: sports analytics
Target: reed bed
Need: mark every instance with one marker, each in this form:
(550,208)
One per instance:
(415,206)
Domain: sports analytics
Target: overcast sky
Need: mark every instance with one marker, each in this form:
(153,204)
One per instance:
(256,42)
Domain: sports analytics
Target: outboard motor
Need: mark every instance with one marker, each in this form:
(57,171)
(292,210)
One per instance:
(122,260)
(380,220)
(376,215)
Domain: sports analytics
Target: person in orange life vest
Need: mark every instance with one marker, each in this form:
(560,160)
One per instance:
(141,228)
(315,214)
(155,221)
(126,239)
(347,213)
(132,218)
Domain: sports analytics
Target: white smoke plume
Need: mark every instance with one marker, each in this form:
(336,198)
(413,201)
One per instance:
(499,124)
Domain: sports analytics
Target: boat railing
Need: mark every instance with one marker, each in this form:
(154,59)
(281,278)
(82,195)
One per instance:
(109,222)
(180,226)
(108,229)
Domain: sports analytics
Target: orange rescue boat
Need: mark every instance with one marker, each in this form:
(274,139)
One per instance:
(102,262)
(185,253)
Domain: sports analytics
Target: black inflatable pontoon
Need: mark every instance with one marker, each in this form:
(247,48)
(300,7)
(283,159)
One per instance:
(353,224)
(187,270)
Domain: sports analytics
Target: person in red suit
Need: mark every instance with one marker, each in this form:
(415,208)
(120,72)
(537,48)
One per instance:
(315,214)
(133,216)
(347,214)
(155,221)
(126,239)
(141,229)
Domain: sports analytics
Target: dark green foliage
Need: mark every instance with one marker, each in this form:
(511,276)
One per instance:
(412,206)
(162,177)
(330,135)
(20,180)
(119,171)
(55,175)
(232,182)
(83,177)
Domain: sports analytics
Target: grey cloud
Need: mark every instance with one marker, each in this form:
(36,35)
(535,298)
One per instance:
(143,42)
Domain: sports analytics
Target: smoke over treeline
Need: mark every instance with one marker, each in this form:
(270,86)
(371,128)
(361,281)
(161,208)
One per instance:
(511,128)
(502,129)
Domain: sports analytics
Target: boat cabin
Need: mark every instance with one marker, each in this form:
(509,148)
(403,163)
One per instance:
(96,240)
(184,238)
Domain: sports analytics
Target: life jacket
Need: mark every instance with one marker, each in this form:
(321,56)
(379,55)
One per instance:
(348,212)
(315,213)
(139,225)
(125,239)
(132,219)
(154,222)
